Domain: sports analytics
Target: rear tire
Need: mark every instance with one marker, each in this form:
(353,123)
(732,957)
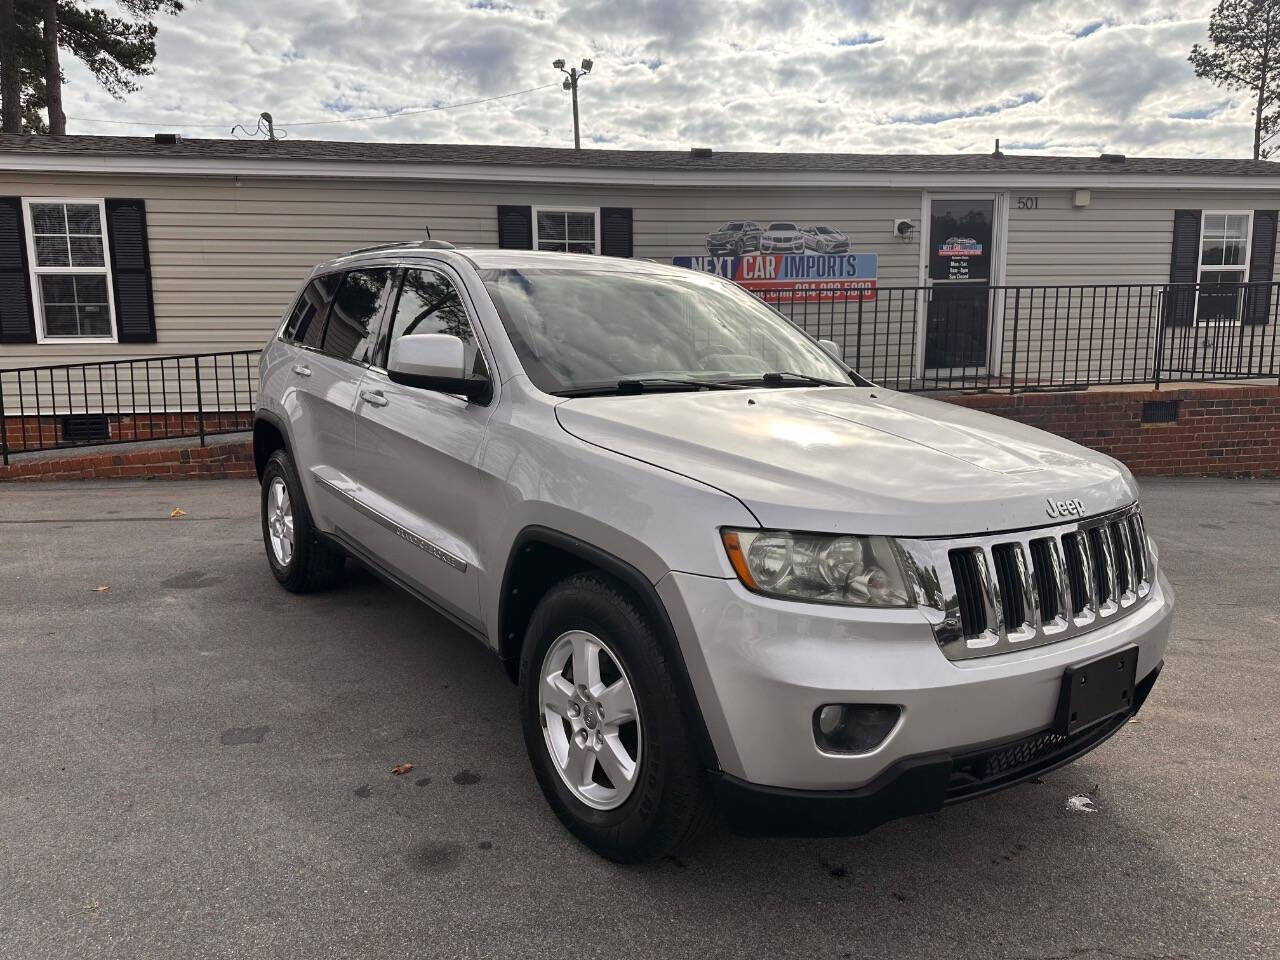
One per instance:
(665,800)
(298,558)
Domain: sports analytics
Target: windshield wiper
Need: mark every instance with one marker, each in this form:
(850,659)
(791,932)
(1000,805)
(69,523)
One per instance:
(781,377)
(634,385)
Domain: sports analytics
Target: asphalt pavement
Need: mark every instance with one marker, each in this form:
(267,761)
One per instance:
(194,763)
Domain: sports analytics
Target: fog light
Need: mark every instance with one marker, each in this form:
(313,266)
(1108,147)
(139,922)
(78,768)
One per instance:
(853,727)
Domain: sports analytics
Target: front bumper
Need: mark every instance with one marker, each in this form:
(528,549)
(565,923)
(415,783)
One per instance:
(913,785)
(782,246)
(761,667)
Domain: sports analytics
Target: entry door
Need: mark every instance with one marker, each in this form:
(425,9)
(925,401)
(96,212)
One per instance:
(960,255)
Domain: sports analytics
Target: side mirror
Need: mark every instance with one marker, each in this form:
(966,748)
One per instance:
(435,361)
(832,348)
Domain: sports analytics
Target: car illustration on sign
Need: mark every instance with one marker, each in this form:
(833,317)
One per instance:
(735,237)
(782,237)
(960,247)
(824,239)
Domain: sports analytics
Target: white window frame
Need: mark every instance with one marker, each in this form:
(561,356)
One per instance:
(36,272)
(594,211)
(1201,266)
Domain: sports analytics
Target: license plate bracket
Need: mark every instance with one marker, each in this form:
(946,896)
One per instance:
(1096,689)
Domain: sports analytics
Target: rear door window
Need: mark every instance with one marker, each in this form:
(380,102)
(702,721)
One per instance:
(354,313)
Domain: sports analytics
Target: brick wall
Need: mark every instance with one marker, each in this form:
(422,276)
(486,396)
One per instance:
(44,431)
(1219,431)
(214,462)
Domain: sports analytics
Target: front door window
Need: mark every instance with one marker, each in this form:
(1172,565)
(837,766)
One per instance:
(959,279)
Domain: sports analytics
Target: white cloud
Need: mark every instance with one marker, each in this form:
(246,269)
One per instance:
(814,75)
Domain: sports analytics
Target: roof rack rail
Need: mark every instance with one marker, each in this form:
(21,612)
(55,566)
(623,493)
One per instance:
(420,244)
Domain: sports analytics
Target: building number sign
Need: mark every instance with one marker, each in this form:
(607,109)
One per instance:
(1028,203)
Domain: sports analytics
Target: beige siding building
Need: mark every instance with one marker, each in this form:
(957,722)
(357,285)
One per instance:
(918,266)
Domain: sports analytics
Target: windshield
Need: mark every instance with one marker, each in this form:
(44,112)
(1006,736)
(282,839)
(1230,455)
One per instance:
(782,226)
(582,328)
(731,227)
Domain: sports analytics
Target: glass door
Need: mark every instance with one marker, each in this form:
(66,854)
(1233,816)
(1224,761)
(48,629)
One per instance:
(960,255)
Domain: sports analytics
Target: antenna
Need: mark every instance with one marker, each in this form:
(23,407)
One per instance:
(427,227)
(265,127)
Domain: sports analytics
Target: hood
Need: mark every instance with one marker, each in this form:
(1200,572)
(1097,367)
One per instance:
(857,460)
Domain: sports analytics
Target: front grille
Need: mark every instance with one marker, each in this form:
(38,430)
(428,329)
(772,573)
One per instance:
(1013,593)
(1046,574)
(973,615)
(1002,592)
(1077,567)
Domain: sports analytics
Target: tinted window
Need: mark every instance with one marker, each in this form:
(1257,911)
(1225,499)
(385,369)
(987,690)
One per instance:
(306,323)
(355,308)
(429,303)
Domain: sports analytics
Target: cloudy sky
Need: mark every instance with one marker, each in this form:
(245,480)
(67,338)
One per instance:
(1057,76)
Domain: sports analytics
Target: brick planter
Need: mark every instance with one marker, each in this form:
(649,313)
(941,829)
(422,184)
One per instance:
(1218,431)
(214,462)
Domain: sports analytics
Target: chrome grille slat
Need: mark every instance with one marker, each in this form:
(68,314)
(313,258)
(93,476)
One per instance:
(1108,552)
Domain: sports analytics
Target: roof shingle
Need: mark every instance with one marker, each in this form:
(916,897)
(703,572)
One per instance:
(366,152)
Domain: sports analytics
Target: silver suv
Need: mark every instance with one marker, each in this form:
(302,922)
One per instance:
(719,564)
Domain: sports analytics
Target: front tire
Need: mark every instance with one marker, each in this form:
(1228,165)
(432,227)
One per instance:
(603,723)
(298,558)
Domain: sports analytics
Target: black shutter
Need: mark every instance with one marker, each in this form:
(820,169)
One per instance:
(1262,258)
(131,270)
(17,322)
(515,228)
(615,231)
(1184,268)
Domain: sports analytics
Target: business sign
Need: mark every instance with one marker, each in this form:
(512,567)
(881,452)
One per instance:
(795,277)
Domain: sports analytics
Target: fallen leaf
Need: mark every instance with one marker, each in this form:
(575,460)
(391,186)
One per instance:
(101,589)
(178,512)
(1134,720)
(402,769)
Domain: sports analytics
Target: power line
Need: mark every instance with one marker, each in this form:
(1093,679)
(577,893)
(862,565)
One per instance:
(416,111)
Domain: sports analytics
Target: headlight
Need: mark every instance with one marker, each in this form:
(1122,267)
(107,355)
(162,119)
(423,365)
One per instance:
(860,571)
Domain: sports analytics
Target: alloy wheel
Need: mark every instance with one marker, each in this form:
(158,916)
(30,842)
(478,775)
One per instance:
(590,721)
(280,521)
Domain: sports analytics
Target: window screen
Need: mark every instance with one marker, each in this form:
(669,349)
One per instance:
(71,268)
(355,309)
(567,231)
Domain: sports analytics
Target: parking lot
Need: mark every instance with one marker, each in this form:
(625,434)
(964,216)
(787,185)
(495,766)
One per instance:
(195,763)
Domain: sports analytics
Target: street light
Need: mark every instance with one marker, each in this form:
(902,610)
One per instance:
(571,78)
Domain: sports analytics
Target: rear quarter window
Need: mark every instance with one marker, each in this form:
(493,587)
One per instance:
(306,323)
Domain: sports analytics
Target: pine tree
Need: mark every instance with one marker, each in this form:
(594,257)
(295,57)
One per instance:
(116,49)
(1244,54)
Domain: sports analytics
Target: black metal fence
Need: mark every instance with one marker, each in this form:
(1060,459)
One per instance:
(122,401)
(965,337)
(944,337)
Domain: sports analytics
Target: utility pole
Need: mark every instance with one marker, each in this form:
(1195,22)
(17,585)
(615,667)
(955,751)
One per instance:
(571,78)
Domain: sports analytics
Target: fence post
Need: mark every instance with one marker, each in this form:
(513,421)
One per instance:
(857,357)
(1017,315)
(4,424)
(199,399)
(1160,312)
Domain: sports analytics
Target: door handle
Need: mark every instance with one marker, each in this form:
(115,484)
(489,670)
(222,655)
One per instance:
(301,370)
(375,398)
